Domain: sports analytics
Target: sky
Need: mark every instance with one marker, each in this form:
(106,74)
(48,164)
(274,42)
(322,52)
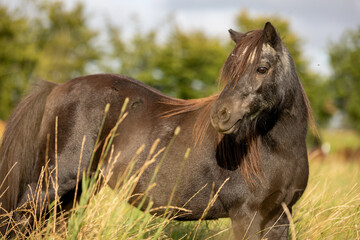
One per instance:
(317,22)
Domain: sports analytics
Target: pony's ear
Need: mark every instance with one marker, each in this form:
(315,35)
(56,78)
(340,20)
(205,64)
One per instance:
(271,36)
(236,36)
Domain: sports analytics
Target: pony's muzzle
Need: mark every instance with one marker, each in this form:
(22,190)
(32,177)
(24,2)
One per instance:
(223,114)
(220,117)
(226,116)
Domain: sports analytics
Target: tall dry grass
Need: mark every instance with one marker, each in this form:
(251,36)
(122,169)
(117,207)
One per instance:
(329,208)
(104,213)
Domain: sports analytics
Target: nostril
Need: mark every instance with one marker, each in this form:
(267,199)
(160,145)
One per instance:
(224,114)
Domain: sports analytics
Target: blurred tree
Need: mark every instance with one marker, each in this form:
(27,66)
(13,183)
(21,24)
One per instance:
(56,44)
(17,58)
(190,63)
(316,87)
(186,65)
(345,61)
(53,43)
(65,42)
(134,57)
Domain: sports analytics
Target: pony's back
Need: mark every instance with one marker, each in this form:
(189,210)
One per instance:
(17,151)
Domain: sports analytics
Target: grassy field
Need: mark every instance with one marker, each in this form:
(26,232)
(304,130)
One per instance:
(329,208)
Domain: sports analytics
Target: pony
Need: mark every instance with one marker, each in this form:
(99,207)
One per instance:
(247,142)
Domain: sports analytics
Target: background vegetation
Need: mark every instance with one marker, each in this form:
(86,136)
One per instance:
(56,43)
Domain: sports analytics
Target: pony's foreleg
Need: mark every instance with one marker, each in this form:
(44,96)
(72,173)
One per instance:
(276,227)
(257,225)
(245,224)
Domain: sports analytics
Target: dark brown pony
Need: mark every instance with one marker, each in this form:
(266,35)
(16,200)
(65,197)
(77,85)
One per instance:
(251,133)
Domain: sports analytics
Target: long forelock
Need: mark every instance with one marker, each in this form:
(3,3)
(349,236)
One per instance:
(245,55)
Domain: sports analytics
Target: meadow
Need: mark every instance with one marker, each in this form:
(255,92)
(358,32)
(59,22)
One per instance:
(329,208)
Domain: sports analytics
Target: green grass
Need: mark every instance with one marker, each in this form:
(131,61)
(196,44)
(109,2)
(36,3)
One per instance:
(341,139)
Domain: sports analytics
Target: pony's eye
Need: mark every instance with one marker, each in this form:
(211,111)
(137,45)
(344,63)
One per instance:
(262,70)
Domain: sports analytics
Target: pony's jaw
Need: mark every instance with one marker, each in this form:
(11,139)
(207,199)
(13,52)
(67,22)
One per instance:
(233,129)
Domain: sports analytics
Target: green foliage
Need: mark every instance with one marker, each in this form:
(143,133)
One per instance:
(17,58)
(191,64)
(315,86)
(186,65)
(345,61)
(55,44)
(65,43)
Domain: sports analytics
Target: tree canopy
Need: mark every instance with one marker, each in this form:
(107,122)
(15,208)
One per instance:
(186,65)
(17,58)
(345,80)
(65,44)
(57,44)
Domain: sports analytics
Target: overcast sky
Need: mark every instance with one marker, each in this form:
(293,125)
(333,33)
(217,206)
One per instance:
(317,22)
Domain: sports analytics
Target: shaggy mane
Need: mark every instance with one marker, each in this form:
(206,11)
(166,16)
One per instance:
(245,155)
